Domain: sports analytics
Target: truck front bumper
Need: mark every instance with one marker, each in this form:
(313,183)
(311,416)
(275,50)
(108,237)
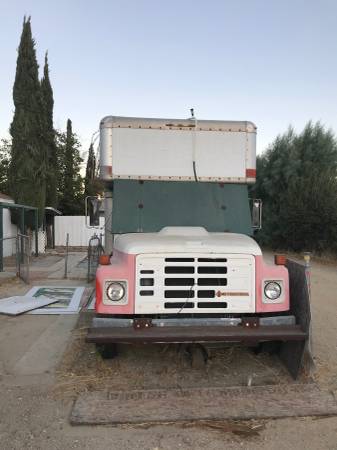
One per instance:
(145,331)
(292,331)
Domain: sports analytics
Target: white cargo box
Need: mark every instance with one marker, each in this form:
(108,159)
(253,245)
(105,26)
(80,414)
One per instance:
(177,150)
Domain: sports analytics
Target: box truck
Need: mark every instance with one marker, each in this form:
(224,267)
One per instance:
(182,264)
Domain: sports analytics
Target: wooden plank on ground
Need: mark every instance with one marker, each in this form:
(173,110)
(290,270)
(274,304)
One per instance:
(160,405)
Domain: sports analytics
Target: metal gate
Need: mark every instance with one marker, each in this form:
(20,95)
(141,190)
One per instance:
(19,258)
(23,256)
(95,249)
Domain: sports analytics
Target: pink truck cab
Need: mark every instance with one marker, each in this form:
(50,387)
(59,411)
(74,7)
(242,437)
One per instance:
(190,270)
(183,265)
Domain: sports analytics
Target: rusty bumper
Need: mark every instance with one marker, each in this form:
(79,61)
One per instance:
(157,335)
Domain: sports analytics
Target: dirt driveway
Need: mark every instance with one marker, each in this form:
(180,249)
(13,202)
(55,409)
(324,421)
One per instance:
(35,405)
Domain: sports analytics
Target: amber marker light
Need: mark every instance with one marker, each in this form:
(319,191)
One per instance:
(280,260)
(104,260)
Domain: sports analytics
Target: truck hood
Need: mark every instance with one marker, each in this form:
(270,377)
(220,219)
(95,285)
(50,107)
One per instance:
(186,240)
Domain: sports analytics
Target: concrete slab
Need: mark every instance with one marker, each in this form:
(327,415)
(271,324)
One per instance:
(74,272)
(4,276)
(52,266)
(45,353)
(17,335)
(63,282)
(44,262)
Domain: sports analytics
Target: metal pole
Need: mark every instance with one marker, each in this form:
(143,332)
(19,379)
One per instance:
(53,233)
(89,260)
(1,241)
(28,251)
(66,259)
(22,221)
(22,232)
(36,232)
(17,256)
(307,262)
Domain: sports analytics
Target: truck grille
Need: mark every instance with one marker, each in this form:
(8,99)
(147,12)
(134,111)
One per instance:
(195,283)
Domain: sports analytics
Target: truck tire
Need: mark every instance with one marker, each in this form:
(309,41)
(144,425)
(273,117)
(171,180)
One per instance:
(271,347)
(107,351)
(198,356)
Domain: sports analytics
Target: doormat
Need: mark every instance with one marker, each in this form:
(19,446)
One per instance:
(180,405)
(67,299)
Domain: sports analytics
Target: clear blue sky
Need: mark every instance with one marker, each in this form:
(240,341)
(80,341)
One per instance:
(270,61)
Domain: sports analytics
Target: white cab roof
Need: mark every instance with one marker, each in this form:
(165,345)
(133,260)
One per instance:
(186,240)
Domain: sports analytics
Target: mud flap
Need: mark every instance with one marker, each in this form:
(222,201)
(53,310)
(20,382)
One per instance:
(296,355)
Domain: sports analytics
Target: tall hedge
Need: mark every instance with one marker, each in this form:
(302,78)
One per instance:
(297,181)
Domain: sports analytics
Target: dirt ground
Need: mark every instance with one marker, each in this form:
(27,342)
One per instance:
(35,407)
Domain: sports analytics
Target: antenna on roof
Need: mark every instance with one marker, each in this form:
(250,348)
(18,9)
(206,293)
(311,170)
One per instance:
(194,119)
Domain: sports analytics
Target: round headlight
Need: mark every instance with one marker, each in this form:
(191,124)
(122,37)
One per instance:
(272,290)
(115,291)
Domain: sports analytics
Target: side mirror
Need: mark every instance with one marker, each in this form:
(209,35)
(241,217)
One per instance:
(92,211)
(256,214)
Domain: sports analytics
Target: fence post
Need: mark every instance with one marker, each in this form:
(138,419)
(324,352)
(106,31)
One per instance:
(66,259)
(22,220)
(28,253)
(17,256)
(89,260)
(307,263)
(36,232)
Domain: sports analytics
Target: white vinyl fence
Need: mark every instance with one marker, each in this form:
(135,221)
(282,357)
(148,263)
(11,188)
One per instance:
(41,239)
(79,234)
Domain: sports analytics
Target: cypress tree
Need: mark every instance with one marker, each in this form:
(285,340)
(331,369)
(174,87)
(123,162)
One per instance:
(93,186)
(68,195)
(49,137)
(27,172)
(90,171)
(5,150)
(71,193)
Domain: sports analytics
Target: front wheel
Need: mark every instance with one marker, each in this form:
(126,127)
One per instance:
(198,355)
(107,351)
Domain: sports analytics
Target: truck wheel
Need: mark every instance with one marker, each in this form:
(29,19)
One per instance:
(198,356)
(107,351)
(271,347)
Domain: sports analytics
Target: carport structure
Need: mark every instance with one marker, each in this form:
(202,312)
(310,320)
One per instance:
(22,209)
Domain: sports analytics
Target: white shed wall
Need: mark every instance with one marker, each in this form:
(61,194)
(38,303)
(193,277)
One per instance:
(79,234)
(9,230)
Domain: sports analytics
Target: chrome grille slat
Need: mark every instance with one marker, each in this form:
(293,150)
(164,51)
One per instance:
(231,274)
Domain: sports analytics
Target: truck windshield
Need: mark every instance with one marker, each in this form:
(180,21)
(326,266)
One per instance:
(148,206)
